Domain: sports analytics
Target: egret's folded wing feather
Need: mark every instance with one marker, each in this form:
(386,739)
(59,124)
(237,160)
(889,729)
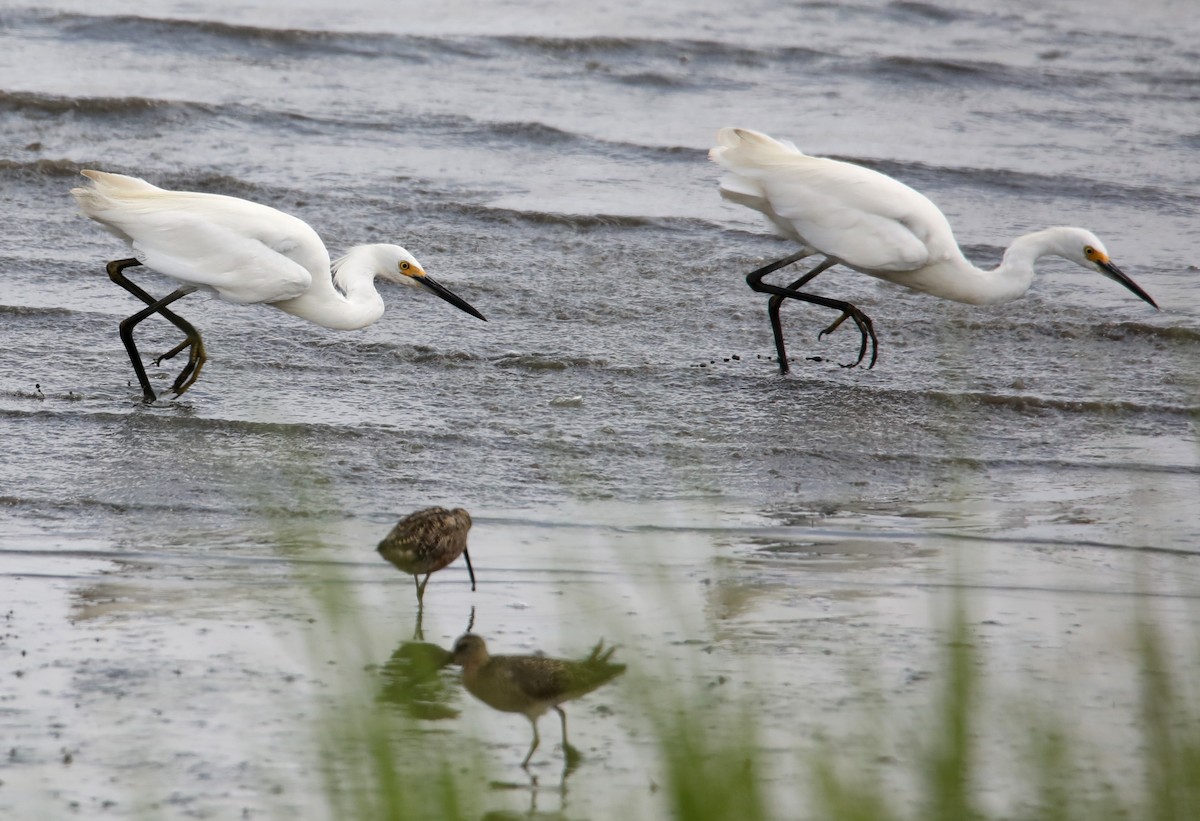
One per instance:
(743,191)
(841,210)
(238,268)
(244,251)
(851,213)
(749,193)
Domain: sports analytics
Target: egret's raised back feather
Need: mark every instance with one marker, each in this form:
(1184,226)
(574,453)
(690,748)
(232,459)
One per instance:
(863,218)
(243,251)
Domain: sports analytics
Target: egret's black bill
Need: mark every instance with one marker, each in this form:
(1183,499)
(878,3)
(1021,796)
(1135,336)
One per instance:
(1114,273)
(446,294)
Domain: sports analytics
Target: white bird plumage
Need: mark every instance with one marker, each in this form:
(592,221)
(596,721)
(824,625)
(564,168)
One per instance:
(243,252)
(879,226)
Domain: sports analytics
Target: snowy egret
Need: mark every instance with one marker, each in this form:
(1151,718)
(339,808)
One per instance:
(426,541)
(243,252)
(879,226)
(531,685)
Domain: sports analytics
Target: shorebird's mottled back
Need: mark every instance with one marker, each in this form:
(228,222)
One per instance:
(531,685)
(426,541)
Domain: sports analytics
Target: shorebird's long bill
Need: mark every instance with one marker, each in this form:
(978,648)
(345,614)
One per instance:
(471,571)
(1114,273)
(446,294)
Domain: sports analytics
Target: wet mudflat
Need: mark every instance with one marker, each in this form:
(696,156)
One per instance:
(200,686)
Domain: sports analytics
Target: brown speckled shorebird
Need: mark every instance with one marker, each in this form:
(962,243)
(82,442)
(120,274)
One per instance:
(427,541)
(531,685)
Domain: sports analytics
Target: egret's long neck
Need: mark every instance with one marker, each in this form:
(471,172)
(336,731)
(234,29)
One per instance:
(1013,276)
(345,298)
(958,279)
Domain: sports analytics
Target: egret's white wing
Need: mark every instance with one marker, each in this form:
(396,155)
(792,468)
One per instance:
(748,193)
(865,219)
(240,269)
(244,251)
(744,192)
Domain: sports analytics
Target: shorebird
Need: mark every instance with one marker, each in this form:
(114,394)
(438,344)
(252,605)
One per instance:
(531,685)
(242,252)
(878,226)
(426,541)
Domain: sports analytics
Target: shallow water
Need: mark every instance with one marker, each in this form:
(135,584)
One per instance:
(617,419)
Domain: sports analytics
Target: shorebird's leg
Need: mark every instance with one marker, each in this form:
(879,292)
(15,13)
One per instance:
(171,354)
(418,633)
(755,277)
(865,327)
(754,280)
(191,371)
(533,746)
(126,330)
(571,756)
(563,715)
(778,294)
(196,357)
(774,304)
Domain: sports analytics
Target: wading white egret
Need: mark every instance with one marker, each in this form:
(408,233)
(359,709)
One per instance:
(242,252)
(877,225)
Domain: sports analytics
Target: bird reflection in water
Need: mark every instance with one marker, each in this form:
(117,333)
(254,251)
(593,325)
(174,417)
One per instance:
(412,680)
(531,685)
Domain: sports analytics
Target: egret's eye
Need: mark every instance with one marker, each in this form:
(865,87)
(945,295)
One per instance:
(404,266)
(1089,251)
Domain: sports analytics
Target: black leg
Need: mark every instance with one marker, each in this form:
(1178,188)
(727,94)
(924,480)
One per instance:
(126,330)
(191,371)
(778,294)
(774,304)
(470,569)
(754,280)
(196,357)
